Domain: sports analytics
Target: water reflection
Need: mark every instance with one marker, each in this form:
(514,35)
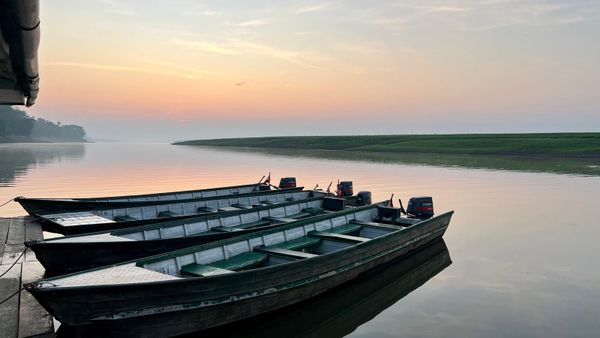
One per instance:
(17,159)
(573,166)
(334,314)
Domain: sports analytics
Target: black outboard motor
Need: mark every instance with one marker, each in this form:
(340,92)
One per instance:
(420,207)
(388,214)
(363,198)
(346,189)
(287,182)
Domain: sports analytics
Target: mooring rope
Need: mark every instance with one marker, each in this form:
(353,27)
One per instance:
(5,203)
(7,270)
(14,263)
(11,296)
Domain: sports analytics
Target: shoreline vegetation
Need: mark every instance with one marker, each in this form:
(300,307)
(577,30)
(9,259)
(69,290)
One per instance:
(560,153)
(18,127)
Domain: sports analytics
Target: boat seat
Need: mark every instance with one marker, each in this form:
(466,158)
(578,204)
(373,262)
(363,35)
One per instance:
(279,219)
(299,215)
(243,260)
(313,211)
(333,235)
(226,229)
(377,225)
(229,209)
(253,224)
(241,226)
(125,218)
(167,214)
(201,270)
(345,229)
(284,252)
(298,243)
(207,210)
(267,202)
(241,206)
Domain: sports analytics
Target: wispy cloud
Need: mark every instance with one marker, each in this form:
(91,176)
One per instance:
(447,9)
(203,13)
(186,73)
(119,8)
(211,47)
(313,8)
(252,23)
(243,47)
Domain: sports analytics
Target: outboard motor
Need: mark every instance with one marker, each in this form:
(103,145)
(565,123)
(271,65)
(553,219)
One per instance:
(420,207)
(346,189)
(363,198)
(287,182)
(388,214)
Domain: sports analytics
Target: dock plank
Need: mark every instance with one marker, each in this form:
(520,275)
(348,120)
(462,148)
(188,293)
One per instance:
(21,315)
(9,310)
(16,231)
(34,320)
(4,224)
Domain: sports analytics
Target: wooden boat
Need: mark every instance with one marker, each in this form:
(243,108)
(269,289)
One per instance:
(234,279)
(35,206)
(335,313)
(72,223)
(82,252)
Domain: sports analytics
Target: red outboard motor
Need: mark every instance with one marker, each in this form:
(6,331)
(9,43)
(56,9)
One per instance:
(346,189)
(287,182)
(420,207)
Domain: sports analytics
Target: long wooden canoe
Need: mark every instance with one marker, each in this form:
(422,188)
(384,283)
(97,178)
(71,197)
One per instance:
(141,213)
(335,313)
(233,279)
(81,252)
(35,206)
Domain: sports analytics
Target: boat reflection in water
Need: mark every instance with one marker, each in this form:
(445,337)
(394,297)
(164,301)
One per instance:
(334,314)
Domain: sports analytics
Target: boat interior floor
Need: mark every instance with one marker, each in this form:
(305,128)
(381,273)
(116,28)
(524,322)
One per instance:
(313,244)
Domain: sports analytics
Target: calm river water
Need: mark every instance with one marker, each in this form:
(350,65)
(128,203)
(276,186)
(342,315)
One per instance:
(524,246)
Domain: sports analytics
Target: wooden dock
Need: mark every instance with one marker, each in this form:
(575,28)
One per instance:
(21,315)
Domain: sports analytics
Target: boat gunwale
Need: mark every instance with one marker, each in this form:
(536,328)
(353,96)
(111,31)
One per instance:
(93,199)
(37,285)
(103,206)
(175,222)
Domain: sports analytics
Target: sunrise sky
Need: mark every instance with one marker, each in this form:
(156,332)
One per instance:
(171,70)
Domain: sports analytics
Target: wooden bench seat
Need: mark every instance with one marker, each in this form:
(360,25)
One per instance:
(206,210)
(345,229)
(378,225)
(241,261)
(241,226)
(229,209)
(279,219)
(333,235)
(238,262)
(284,252)
(201,270)
(125,218)
(298,243)
(167,214)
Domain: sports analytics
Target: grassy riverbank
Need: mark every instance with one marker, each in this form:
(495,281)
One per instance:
(552,144)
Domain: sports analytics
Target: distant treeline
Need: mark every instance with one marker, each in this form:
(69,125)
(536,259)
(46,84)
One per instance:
(17,125)
(550,144)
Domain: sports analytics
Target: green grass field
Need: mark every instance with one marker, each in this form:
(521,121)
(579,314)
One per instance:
(556,144)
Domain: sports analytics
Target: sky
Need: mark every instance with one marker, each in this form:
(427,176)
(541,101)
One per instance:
(181,69)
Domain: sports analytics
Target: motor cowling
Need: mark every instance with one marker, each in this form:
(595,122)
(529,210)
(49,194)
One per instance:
(346,189)
(420,207)
(287,182)
(363,198)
